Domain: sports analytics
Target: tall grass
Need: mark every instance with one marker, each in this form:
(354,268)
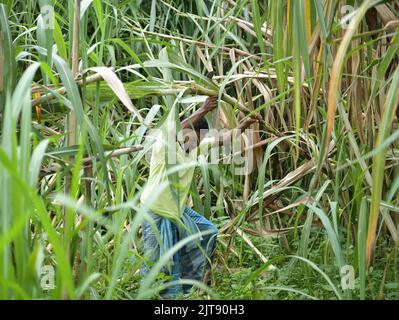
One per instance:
(325,184)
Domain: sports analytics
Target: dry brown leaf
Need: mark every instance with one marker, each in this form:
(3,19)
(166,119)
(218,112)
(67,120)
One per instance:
(117,87)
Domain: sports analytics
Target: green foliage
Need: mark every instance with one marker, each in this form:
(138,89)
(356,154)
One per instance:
(324,191)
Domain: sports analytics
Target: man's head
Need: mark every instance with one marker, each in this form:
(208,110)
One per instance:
(201,125)
(193,136)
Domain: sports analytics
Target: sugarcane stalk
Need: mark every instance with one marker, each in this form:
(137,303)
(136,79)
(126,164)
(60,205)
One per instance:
(88,161)
(72,122)
(1,65)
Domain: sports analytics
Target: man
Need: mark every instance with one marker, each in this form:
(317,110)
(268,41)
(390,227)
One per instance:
(165,196)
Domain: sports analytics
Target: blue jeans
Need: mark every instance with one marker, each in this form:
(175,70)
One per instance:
(190,261)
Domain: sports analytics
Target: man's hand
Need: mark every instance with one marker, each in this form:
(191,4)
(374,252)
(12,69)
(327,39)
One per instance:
(210,103)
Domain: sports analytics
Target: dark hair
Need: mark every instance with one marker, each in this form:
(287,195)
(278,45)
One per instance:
(201,125)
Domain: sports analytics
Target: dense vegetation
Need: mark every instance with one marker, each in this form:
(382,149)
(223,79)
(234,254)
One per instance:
(79,91)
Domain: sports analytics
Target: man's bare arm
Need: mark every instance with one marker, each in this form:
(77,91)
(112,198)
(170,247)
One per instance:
(209,105)
(227,135)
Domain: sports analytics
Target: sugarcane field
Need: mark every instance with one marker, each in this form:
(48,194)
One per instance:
(199,150)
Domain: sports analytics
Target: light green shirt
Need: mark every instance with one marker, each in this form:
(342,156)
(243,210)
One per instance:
(160,194)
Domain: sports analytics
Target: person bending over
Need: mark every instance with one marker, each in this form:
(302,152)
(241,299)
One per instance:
(165,198)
